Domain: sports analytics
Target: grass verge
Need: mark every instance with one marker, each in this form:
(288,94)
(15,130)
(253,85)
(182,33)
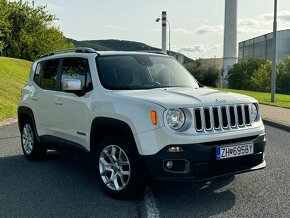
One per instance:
(13,76)
(265,98)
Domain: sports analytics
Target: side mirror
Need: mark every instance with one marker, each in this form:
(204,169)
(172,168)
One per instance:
(71,85)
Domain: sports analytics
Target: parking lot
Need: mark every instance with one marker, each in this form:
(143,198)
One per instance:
(63,186)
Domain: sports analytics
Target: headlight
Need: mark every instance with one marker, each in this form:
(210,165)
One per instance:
(254,112)
(175,118)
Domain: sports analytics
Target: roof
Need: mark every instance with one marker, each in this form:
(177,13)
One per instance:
(266,35)
(83,51)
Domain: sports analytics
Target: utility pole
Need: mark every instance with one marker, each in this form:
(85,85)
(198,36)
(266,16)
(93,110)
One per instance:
(273,81)
(164,18)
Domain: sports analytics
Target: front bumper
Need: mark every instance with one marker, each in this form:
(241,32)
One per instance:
(198,162)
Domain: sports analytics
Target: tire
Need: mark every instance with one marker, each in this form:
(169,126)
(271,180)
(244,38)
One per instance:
(118,168)
(31,147)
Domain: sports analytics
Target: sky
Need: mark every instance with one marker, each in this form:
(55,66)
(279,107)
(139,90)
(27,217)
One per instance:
(196,26)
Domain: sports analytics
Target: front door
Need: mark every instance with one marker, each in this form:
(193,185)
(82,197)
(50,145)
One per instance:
(73,107)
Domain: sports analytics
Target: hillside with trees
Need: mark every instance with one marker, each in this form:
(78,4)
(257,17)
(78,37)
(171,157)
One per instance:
(119,45)
(27,31)
(112,45)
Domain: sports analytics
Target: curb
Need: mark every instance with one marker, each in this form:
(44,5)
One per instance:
(8,122)
(277,125)
(273,105)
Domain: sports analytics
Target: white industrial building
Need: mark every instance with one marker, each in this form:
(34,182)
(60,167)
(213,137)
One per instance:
(261,47)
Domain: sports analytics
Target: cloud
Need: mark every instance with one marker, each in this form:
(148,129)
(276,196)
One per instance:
(182,31)
(258,25)
(248,22)
(282,16)
(53,7)
(206,29)
(193,48)
(217,46)
(178,31)
(115,27)
(173,47)
(155,30)
(264,23)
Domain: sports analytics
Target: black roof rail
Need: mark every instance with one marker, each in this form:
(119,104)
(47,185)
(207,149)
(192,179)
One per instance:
(76,50)
(154,51)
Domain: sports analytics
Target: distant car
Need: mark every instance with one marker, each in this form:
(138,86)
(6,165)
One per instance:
(137,114)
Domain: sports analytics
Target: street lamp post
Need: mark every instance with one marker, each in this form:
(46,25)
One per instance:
(273,80)
(157,20)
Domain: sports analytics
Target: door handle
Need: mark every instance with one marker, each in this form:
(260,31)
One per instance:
(58,102)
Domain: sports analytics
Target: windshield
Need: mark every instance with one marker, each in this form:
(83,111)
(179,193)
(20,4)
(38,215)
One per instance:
(121,72)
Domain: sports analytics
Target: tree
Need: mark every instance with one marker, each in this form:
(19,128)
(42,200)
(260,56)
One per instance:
(31,32)
(4,24)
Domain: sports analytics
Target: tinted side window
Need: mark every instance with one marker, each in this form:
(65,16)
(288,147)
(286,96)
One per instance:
(37,74)
(77,68)
(48,74)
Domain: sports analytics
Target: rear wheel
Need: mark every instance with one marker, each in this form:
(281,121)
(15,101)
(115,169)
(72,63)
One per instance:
(118,167)
(31,148)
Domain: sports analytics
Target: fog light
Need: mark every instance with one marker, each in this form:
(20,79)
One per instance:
(169,164)
(176,166)
(175,149)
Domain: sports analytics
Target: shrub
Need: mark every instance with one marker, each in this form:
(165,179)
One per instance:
(283,77)
(255,75)
(240,75)
(261,78)
(207,77)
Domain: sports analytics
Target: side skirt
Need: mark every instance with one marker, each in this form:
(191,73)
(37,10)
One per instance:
(63,146)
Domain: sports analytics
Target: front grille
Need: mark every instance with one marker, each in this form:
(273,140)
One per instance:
(220,118)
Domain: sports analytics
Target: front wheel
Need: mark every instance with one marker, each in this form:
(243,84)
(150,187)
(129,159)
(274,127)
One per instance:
(119,168)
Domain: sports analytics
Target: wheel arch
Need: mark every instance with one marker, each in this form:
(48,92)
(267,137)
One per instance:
(26,113)
(104,126)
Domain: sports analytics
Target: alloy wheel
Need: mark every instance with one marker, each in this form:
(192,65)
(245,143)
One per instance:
(114,167)
(27,139)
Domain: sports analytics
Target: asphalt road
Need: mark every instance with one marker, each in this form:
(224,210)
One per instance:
(63,186)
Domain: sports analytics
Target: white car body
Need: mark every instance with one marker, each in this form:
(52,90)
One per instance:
(69,117)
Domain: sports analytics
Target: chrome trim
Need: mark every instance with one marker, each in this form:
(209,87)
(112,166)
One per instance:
(221,126)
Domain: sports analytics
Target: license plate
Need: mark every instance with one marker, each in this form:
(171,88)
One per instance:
(234,151)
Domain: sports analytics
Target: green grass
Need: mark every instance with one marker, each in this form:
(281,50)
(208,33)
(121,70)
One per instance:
(281,100)
(13,76)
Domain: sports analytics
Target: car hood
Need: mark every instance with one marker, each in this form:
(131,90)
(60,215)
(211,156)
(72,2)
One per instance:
(185,97)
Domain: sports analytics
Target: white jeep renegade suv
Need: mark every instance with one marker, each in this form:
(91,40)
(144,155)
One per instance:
(137,114)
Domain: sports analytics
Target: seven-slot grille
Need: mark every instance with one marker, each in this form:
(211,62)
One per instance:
(221,117)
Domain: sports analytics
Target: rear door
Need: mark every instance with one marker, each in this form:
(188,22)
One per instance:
(44,96)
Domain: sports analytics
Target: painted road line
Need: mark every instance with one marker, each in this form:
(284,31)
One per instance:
(150,204)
